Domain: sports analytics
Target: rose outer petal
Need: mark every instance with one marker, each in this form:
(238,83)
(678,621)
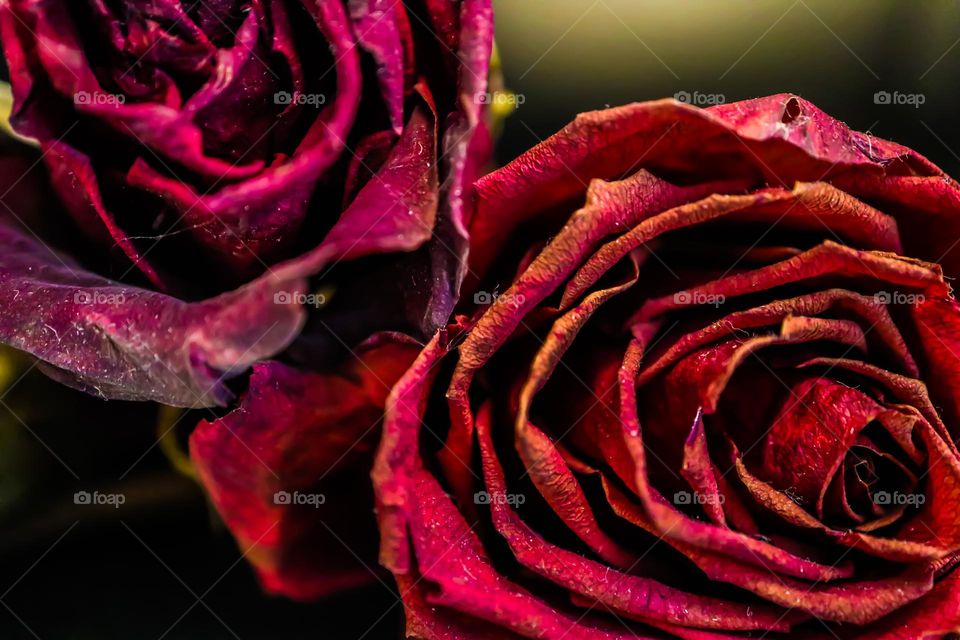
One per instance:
(427,621)
(938,325)
(928,209)
(123,342)
(780,139)
(125,349)
(292,433)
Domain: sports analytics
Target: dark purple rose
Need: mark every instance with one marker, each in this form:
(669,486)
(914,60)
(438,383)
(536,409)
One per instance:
(200,148)
(237,180)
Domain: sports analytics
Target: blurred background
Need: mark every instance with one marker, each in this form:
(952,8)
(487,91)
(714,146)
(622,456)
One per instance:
(566,56)
(162,567)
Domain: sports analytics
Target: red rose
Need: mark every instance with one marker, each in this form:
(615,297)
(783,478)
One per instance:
(713,387)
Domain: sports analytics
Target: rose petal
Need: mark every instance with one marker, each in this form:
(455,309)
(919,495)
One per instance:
(906,390)
(541,459)
(780,139)
(73,177)
(813,207)
(294,432)
(625,592)
(938,326)
(818,425)
(928,209)
(699,471)
(936,615)
(257,219)
(874,313)
(375,23)
(856,602)
(828,257)
(777,502)
(466,149)
(427,621)
(127,343)
(450,554)
(666,521)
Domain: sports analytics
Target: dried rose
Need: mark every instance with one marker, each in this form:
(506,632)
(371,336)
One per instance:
(712,389)
(243,143)
(243,180)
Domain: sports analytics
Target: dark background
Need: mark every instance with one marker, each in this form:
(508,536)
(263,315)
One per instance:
(134,573)
(567,56)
